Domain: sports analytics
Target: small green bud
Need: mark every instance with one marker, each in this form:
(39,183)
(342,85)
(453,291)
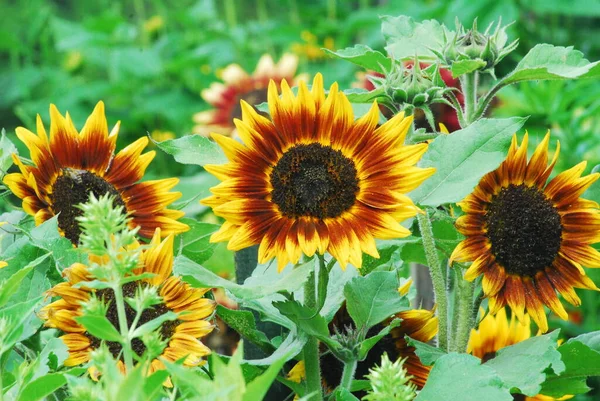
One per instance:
(154,343)
(94,307)
(145,297)
(390,382)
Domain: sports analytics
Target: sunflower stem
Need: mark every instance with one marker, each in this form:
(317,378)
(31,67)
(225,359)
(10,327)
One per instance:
(348,374)
(230,14)
(465,315)
(311,348)
(468,83)
(437,271)
(120,302)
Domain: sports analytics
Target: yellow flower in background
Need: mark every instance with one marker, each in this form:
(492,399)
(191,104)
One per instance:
(312,178)
(73,60)
(68,165)
(495,333)
(529,239)
(183,335)
(160,136)
(239,85)
(154,23)
(310,47)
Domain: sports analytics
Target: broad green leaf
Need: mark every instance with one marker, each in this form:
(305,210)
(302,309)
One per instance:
(131,388)
(365,57)
(53,355)
(193,149)
(243,322)
(463,377)
(7,148)
(292,345)
(591,339)
(466,66)
(428,354)
(343,394)
(545,61)
(289,280)
(42,387)
(359,95)
(257,388)
(374,298)
(580,361)
(46,236)
(461,159)
(406,38)
(229,375)
(153,324)
(23,322)
(196,243)
(100,326)
(369,343)
(10,286)
(523,365)
(194,384)
(153,384)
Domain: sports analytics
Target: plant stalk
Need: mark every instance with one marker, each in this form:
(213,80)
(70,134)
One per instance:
(468,83)
(312,362)
(230,14)
(465,315)
(437,276)
(118,290)
(348,374)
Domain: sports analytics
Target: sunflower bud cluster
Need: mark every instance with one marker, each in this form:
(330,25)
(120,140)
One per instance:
(390,382)
(470,44)
(409,83)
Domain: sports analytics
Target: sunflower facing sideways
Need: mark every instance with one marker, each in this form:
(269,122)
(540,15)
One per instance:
(527,238)
(239,85)
(495,333)
(183,335)
(311,178)
(68,165)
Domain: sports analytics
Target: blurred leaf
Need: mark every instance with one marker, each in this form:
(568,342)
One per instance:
(195,243)
(343,394)
(365,57)
(524,365)
(243,322)
(257,388)
(374,298)
(462,67)
(552,62)
(99,326)
(406,38)
(22,322)
(7,148)
(131,388)
(42,387)
(291,346)
(463,377)
(428,354)
(461,159)
(154,384)
(359,95)
(193,149)
(153,324)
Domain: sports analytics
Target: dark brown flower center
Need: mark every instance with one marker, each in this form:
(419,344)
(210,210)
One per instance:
(524,229)
(72,188)
(314,180)
(253,98)
(166,330)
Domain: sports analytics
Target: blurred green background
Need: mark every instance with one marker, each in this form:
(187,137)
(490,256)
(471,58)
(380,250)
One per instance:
(149,60)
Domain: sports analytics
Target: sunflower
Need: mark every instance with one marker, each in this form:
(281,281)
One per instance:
(418,324)
(495,333)
(68,165)
(239,85)
(312,178)
(194,311)
(527,238)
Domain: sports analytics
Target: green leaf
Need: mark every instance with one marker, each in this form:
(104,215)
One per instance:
(7,148)
(322,282)
(100,326)
(243,322)
(373,298)
(193,149)
(229,376)
(46,236)
(10,286)
(153,324)
(463,377)
(257,388)
(365,57)
(466,66)
(131,388)
(153,384)
(369,343)
(42,387)
(198,276)
(580,361)
(545,61)
(461,159)
(23,323)
(292,345)
(359,95)
(406,38)
(428,354)
(523,365)
(343,394)
(196,243)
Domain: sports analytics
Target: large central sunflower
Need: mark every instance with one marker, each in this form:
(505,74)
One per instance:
(312,178)
(182,335)
(69,165)
(529,239)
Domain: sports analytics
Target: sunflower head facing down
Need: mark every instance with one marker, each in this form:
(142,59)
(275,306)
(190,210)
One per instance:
(529,239)
(182,335)
(312,179)
(239,85)
(68,165)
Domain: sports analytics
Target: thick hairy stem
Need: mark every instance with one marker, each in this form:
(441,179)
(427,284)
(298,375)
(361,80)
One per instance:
(123,326)
(437,271)
(348,374)
(465,315)
(312,363)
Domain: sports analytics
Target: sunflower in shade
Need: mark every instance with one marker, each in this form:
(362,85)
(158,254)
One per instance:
(418,324)
(495,333)
(239,85)
(311,178)
(68,165)
(529,239)
(183,335)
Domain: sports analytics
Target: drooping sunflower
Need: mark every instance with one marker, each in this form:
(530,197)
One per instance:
(527,238)
(312,178)
(418,324)
(68,165)
(183,335)
(495,333)
(239,85)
